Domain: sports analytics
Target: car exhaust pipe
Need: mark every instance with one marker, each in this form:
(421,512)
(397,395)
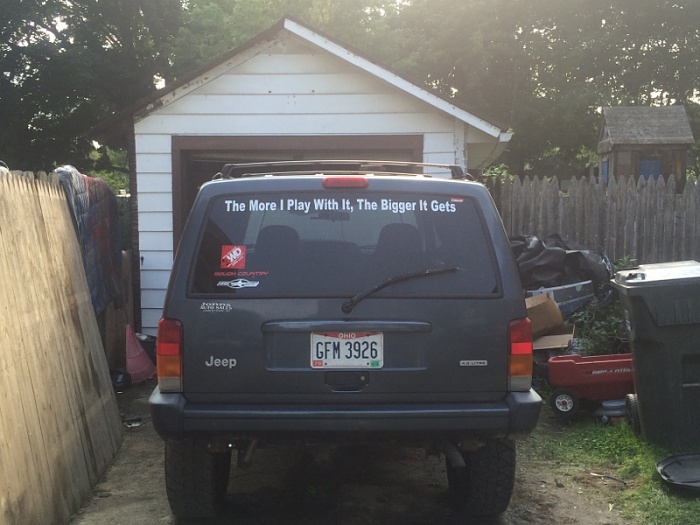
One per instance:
(452,453)
(245,456)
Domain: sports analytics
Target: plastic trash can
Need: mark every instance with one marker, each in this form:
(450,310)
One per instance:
(662,309)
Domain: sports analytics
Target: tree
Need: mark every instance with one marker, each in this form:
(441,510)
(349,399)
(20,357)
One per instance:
(214,27)
(25,32)
(73,63)
(545,67)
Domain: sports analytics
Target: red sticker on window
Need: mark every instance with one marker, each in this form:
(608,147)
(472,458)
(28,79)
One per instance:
(233,257)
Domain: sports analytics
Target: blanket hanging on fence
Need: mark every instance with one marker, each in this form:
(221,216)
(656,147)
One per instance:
(93,206)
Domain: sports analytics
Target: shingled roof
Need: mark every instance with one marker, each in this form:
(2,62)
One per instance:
(644,125)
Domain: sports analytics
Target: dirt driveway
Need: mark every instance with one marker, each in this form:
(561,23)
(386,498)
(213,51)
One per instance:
(361,487)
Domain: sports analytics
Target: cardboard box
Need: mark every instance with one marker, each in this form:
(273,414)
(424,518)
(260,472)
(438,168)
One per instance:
(558,341)
(544,314)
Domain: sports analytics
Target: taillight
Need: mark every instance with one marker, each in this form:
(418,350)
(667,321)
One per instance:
(520,355)
(345,182)
(169,355)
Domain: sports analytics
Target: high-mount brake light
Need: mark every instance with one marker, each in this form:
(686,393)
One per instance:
(520,355)
(169,355)
(345,182)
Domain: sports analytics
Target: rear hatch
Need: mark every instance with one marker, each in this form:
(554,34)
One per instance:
(362,289)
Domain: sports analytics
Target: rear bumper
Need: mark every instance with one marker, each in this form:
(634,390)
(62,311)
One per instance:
(174,419)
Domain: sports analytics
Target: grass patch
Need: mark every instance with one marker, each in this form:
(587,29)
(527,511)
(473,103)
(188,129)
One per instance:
(614,450)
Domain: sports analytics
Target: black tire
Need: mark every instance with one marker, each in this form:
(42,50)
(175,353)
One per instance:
(565,402)
(195,478)
(633,413)
(485,485)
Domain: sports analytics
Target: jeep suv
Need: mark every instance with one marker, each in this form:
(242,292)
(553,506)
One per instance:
(327,302)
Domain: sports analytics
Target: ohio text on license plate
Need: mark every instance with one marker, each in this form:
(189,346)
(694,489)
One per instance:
(347,350)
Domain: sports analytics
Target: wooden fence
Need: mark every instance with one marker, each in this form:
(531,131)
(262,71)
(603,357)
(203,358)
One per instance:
(648,221)
(59,421)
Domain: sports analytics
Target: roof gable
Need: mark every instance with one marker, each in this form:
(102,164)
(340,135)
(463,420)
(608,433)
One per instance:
(645,125)
(309,37)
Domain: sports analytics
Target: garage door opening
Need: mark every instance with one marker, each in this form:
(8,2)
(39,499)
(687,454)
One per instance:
(197,159)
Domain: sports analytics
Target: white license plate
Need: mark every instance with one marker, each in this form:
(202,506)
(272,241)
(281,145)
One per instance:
(347,350)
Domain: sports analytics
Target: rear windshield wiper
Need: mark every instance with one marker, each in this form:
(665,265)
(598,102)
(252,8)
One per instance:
(352,302)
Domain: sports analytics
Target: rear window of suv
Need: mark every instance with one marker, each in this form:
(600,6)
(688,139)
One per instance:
(310,244)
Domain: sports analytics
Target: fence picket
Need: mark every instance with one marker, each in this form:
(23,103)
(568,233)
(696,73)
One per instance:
(668,221)
(646,220)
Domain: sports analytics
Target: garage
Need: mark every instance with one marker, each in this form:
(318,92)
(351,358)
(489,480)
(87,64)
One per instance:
(290,93)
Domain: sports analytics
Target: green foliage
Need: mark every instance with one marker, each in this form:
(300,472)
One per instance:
(211,28)
(497,173)
(546,67)
(68,65)
(600,326)
(112,167)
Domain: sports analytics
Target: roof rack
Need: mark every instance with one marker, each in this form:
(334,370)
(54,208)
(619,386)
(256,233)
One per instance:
(334,167)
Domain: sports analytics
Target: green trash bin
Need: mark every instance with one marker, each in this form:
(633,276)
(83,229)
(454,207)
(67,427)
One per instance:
(662,309)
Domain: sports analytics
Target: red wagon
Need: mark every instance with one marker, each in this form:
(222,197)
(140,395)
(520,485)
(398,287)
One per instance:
(577,379)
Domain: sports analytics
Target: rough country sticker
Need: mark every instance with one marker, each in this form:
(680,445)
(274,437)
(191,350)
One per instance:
(238,283)
(241,274)
(215,307)
(232,257)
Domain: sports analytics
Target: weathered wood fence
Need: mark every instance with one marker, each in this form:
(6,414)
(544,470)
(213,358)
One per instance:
(59,421)
(646,220)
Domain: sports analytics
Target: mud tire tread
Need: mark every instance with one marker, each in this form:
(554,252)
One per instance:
(195,479)
(485,486)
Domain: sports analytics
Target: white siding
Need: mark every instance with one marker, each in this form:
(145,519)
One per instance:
(155,221)
(301,124)
(155,241)
(152,298)
(154,202)
(287,104)
(293,84)
(152,143)
(149,320)
(290,88)
(157,260)
(155,182)
(155,162)
(291,62)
